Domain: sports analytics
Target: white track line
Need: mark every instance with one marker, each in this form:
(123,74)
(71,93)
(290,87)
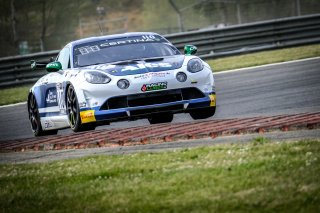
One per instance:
(12,105)
(218,73)
(266,65)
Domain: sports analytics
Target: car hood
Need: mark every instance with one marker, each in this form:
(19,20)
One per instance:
(139,67)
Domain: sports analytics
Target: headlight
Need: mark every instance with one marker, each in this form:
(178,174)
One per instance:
(195,65)
(96,78)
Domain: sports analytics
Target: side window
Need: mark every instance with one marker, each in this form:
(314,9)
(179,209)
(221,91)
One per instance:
(64,58)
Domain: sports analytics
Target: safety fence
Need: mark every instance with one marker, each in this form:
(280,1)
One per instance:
(212,43)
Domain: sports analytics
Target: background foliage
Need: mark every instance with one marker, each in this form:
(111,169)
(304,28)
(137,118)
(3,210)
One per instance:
(50,24)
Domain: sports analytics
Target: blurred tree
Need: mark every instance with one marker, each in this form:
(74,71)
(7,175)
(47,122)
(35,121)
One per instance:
(8,27)
(50,24)
(179,14)
(216,10)
(13,22)
(46,9)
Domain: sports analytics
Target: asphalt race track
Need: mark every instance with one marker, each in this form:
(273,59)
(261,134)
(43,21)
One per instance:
(268,90)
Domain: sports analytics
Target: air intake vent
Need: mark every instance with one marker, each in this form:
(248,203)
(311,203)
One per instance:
(151,98)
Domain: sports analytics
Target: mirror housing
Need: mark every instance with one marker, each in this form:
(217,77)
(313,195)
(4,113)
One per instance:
(54,66)
(190,50)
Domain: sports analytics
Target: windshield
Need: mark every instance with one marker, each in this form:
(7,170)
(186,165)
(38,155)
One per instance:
(122,49)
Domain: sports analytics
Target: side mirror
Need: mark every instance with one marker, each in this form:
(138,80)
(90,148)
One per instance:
(33,65)
(190,50)
(54,66)
(37,65)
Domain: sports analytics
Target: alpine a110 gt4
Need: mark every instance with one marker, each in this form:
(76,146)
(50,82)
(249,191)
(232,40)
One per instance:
(98,80)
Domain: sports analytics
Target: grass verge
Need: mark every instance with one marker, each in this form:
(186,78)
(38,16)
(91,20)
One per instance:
(266,57)
(14,95)
(260,176)
(18,94)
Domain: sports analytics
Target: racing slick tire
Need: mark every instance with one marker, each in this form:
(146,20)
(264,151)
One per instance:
(160,118)
(202,113)
(34,118)
(73,113)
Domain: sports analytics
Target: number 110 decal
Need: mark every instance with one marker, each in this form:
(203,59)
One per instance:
(147,37)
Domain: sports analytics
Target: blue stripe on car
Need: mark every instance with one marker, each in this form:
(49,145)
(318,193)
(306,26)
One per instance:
(122,112)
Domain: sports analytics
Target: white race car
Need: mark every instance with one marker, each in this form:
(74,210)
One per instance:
(95,81)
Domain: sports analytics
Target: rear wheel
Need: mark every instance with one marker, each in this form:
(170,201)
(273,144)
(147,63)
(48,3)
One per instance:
(34,118)
(74,113)
(161,118)
(202,113)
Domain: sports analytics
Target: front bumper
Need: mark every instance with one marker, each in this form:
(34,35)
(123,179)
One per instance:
(99,114)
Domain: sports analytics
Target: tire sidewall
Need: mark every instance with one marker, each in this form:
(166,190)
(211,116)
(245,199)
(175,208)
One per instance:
(77,124)
(203,113)
(160,118)
(38,131)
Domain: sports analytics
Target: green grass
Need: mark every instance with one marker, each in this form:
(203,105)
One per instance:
(19,94)
(14,95)
(260,176)
(266,57)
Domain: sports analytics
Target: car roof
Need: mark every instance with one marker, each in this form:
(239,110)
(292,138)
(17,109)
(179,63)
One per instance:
(109,37)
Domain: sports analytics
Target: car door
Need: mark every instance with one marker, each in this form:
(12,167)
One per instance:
(53,86)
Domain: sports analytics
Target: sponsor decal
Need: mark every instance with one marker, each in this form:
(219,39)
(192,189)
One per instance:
(70,74)
(82,104)
(87,116)
(140,39)
(146,65)
(152,75)
(102,66)
(138,67)
(48,125)
(154,86)
(51,98)
(86,49)
(212,100)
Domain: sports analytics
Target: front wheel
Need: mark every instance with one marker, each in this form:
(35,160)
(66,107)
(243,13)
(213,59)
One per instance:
(34,118)
(160,118)
(202,113)
(74,113)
